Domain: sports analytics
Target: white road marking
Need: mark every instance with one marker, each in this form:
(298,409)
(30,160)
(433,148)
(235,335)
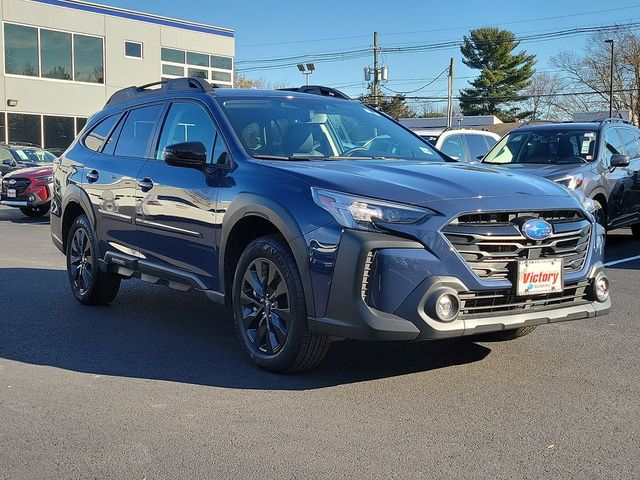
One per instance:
(622,260)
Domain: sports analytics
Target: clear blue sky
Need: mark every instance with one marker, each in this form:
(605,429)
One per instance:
(271,29)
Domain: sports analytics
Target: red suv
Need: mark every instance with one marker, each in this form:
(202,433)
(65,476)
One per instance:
(29,189)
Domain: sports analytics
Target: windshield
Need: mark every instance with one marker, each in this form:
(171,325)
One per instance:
(560,146)
(287,128)
(32,154)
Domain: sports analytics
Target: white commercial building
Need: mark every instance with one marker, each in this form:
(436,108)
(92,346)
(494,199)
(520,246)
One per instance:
(62,59)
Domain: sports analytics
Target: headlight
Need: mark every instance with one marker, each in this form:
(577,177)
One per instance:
(572,183)
(361,213)
(44,179)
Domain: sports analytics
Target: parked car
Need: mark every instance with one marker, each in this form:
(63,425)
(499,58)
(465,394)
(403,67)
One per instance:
(315,217)
(599,159)
(28,189)
(461,144)
(14,156)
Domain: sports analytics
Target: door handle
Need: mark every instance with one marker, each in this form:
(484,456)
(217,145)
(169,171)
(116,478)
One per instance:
(145,184)
(93,176)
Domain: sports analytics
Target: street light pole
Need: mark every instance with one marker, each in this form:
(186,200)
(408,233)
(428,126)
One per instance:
(610,42)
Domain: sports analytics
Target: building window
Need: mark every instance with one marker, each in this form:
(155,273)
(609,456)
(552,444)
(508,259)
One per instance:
(88,65)
(25,128)
(80,123)
(171,55)
(199,59)
(21,50)
(55,54)
(133,49)
(173,70)
(175,62)
(224,63)
(221,76)
(34,52)
(58,132)
(197,73)
(3,130)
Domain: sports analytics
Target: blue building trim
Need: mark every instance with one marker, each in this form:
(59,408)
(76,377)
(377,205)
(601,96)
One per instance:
(167,22)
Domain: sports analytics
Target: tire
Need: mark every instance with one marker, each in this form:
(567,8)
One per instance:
(506,335)
(271,321)
(89,285)
(35,212)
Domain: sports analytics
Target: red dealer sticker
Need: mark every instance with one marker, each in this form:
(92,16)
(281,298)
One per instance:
(536,277)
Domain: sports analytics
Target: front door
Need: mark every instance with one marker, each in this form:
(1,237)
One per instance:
(176,215)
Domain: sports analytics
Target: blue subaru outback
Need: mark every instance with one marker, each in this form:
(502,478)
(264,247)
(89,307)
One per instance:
(316,218)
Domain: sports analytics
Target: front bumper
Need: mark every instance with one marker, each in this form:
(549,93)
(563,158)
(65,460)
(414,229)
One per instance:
(402,288)
(34,197)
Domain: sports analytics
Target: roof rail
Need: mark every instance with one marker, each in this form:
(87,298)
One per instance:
(20,144)
(318,90)
(174,84)
(614,120)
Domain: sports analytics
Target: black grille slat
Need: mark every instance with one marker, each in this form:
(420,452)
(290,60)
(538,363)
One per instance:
(491,245)
(495,302)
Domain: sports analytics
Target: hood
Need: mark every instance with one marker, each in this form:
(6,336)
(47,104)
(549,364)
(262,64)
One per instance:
(550,171)
(416,182)
(31,172)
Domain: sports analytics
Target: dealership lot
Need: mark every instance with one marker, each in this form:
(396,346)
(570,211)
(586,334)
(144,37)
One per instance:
(157,386)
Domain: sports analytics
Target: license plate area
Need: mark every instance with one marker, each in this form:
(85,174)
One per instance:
(539,277)
(11,193)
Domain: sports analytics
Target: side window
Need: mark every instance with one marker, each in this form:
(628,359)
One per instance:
(629,142)
(612,144)
(477,145)
(5,155)
(97,137)
(187,122)
(137,131)
(453,147)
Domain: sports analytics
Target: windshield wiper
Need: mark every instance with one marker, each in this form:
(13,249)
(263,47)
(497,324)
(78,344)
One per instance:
(279,157)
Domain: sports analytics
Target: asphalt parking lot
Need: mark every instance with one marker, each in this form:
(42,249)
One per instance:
(156,386)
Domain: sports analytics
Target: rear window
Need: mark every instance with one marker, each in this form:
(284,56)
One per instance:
(97,136)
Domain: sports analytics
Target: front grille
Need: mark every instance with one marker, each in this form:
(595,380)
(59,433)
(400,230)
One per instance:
(501,302)
(20,186)
(492,244)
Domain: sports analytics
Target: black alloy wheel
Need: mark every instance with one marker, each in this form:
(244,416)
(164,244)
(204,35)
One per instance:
(81,261)
(265,306)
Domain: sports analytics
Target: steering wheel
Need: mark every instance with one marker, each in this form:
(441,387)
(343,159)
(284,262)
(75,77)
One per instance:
(352,151)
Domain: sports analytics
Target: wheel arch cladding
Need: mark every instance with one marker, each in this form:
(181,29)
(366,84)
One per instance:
(251,217)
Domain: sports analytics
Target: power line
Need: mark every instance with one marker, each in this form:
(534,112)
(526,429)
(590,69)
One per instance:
(418,89)
(513,22)
(520,97)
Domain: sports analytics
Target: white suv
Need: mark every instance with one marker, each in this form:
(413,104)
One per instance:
(462,144)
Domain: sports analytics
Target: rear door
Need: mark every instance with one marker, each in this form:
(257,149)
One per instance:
(110,175)
(176,216)
(631,194)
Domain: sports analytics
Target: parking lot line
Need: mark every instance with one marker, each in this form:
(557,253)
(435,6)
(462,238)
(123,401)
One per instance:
(622,260)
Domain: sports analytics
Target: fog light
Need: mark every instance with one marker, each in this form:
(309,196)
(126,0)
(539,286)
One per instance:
(601,287)
(447,306)
(31,198)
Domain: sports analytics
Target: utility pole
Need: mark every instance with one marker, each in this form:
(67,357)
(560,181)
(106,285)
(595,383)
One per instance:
(610,79)
(376,75)
(450,96)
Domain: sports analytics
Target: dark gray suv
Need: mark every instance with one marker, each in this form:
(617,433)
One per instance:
(315,218)
(600,160)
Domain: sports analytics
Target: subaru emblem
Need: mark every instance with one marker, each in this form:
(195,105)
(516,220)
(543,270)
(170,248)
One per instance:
(12,182)
(536,229)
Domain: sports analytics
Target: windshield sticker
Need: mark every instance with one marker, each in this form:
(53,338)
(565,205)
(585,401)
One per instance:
(585,146)
(425,150)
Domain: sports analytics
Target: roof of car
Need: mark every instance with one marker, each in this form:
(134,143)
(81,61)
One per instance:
(19,145)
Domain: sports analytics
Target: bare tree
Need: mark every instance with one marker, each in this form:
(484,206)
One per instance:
(241,81)
(539,99)
(590,72)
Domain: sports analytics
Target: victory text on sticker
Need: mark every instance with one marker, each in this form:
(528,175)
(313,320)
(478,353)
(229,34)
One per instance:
(540,277)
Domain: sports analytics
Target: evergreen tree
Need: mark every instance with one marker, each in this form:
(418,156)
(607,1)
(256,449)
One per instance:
(503,74)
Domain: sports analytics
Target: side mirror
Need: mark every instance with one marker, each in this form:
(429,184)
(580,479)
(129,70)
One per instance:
(6,162)
(618,160)
(186,154)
